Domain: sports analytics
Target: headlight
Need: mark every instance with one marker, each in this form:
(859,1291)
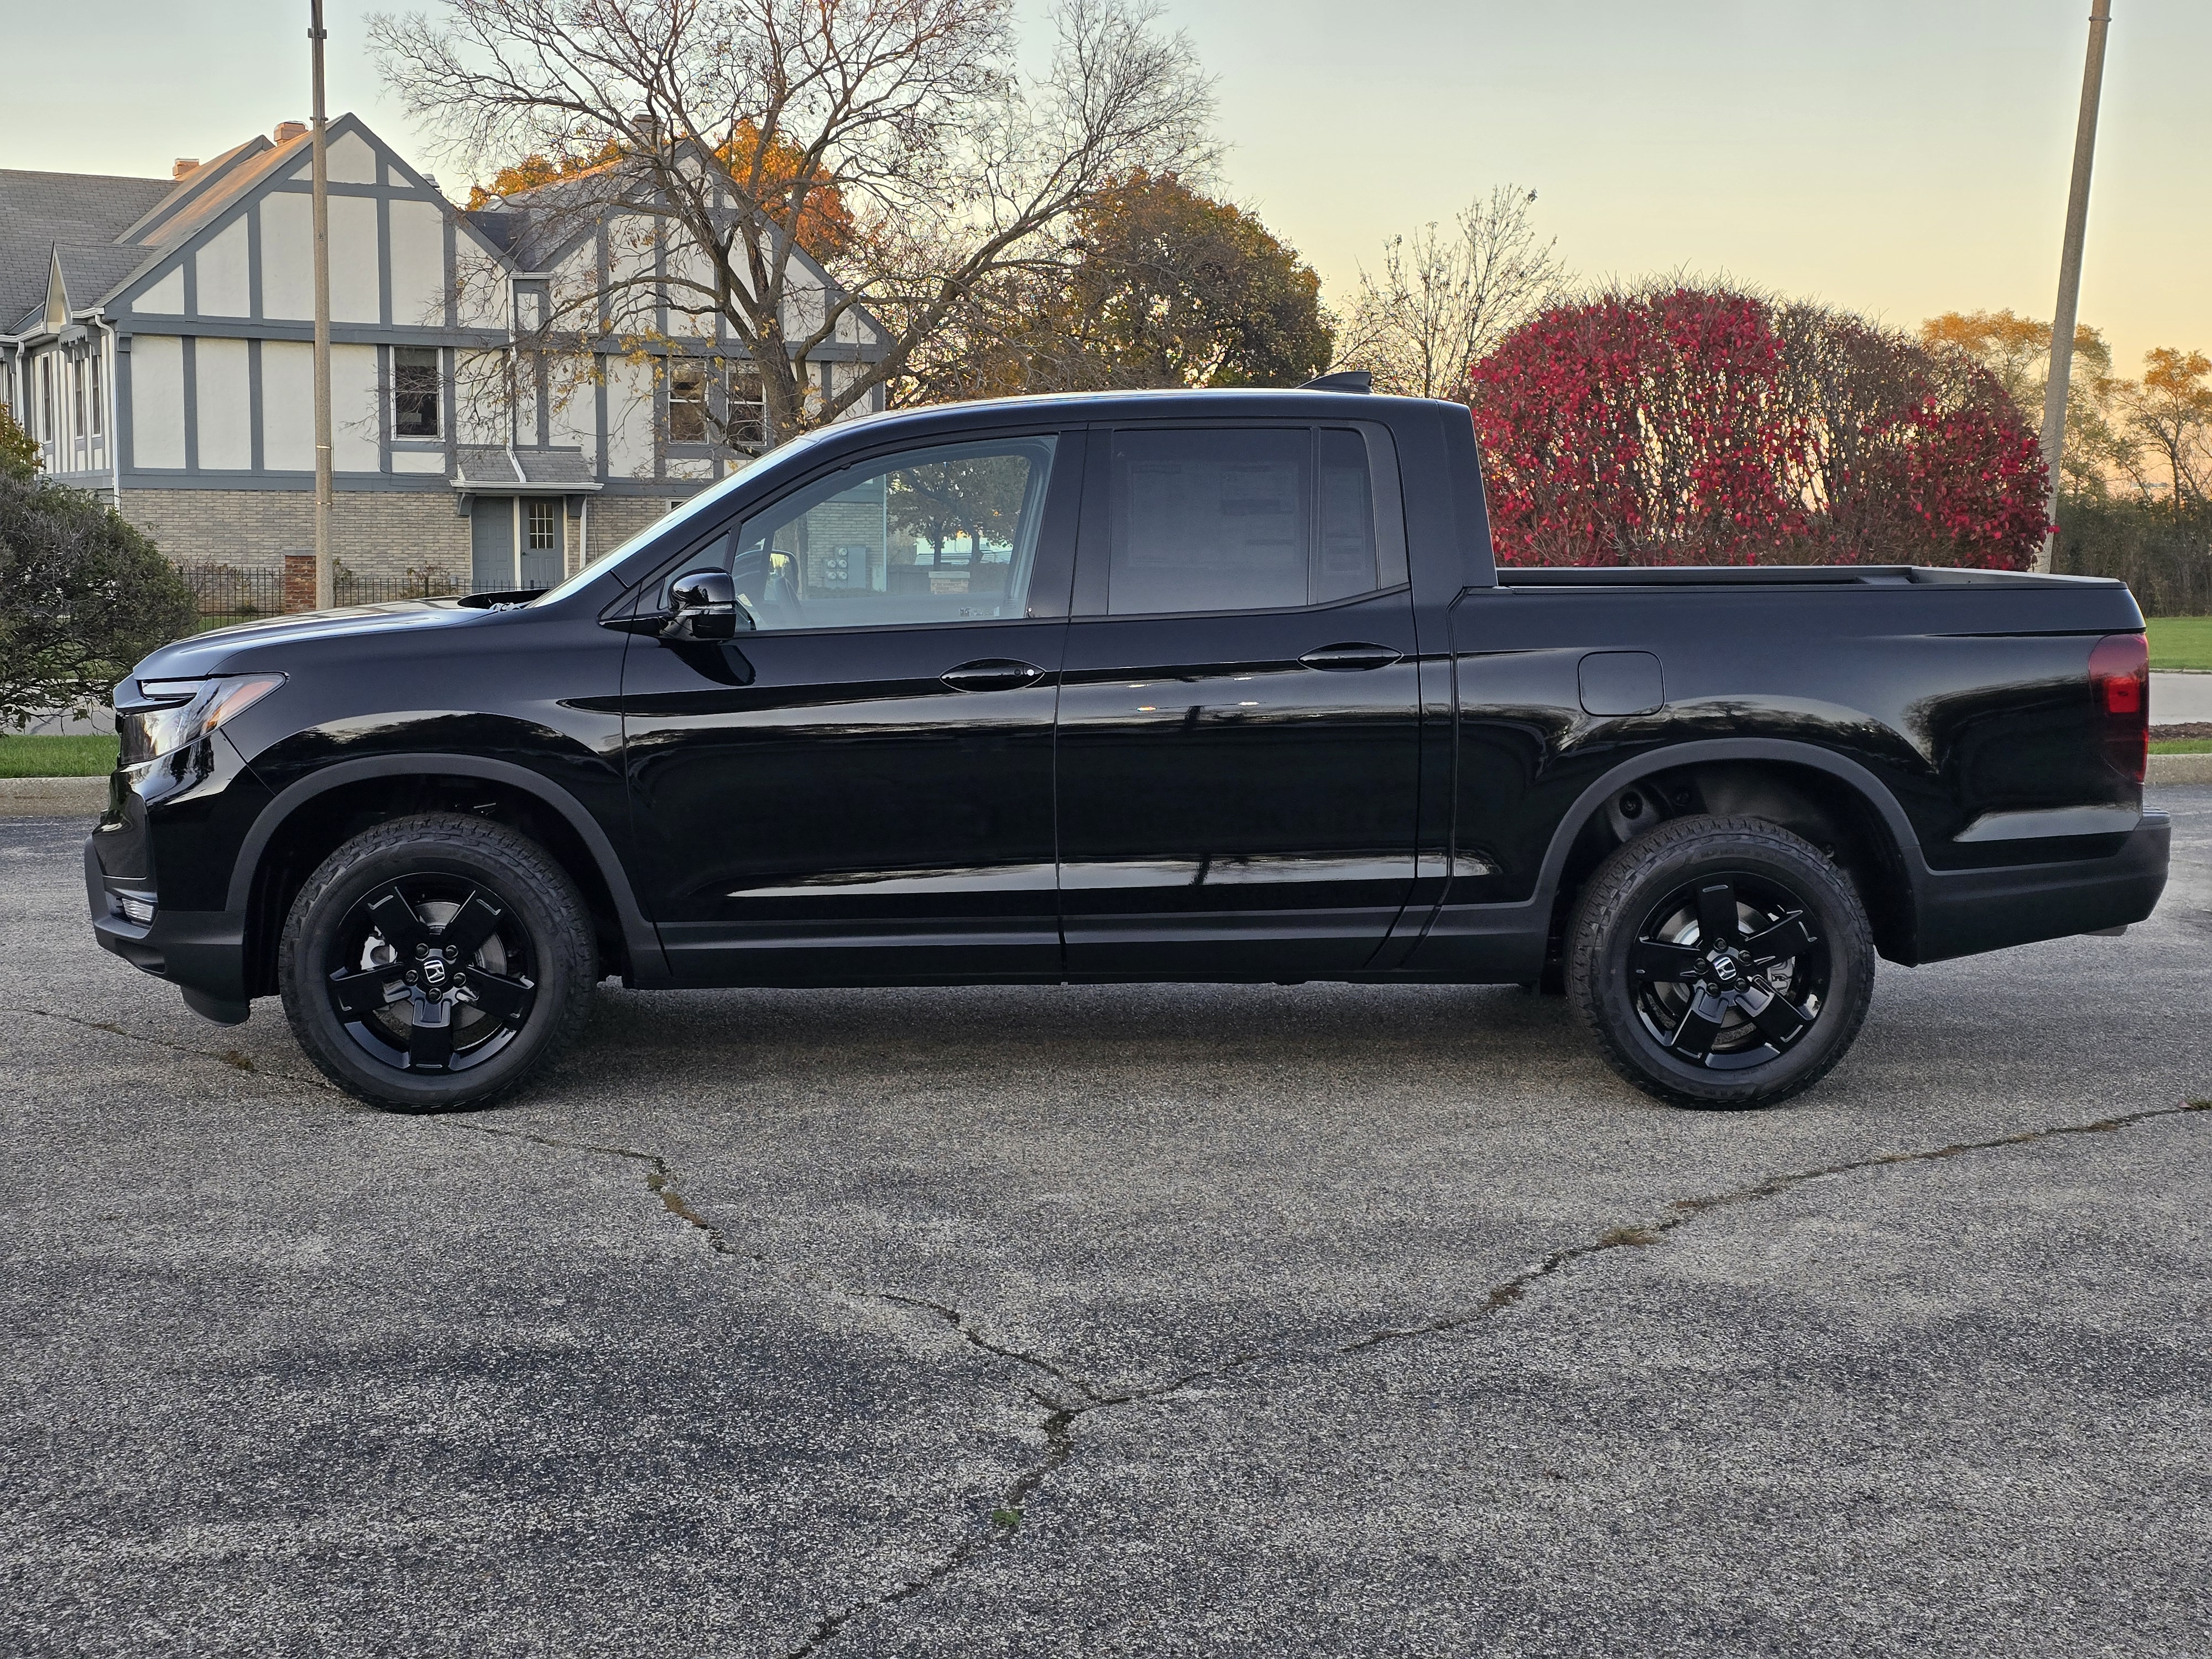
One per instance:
(171,713)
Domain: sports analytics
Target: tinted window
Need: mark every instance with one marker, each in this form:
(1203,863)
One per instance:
(1241,521)
(943,534)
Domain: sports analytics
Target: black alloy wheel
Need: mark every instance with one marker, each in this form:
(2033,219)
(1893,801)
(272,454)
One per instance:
(435,961)
(426,978)
(1727,972)
(1720,962)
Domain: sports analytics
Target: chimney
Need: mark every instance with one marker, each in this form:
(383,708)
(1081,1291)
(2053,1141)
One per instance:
(287,130)
(183,165)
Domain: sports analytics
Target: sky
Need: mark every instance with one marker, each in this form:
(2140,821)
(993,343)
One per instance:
(1898,157)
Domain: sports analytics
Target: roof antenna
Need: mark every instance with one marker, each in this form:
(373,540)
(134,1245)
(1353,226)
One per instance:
(1349,379)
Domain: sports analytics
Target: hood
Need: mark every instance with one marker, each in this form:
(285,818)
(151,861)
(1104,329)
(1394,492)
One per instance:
(245,645)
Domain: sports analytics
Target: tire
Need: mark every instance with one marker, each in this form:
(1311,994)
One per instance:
(1751,1022)
(396,1017)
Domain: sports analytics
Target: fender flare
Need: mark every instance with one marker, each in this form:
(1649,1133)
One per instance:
(648,966)
(1904,840)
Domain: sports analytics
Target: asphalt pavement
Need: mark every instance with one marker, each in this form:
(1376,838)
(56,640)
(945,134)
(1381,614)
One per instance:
(1145,1321)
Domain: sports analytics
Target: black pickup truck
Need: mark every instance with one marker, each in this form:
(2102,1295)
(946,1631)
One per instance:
(1220,686)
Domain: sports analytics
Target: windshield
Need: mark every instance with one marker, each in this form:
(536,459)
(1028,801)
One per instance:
(700,503)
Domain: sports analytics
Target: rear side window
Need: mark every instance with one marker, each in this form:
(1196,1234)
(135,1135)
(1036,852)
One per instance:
(1257,519)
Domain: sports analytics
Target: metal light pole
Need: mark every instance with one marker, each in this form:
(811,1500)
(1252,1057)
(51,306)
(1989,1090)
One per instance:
(2069,275)
(325,580)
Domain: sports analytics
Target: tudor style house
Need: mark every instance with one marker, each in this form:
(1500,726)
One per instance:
(155,341)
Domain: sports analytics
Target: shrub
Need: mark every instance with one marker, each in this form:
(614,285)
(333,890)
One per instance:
(83,595)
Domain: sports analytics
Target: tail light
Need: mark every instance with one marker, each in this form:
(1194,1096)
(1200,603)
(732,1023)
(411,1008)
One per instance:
(2119,672)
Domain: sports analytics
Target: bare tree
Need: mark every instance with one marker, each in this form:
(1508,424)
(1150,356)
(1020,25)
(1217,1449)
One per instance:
(1443,300)
(790,162)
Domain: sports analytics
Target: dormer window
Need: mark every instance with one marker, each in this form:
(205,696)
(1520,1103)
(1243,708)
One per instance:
(530,307)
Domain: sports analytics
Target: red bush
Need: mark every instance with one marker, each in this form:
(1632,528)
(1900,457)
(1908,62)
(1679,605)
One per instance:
(1692,427)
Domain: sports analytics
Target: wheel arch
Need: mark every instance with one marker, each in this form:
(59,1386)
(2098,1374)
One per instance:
(1827,798)
(311,818)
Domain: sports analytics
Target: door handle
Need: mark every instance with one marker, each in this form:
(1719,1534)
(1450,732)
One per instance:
(1348,658)
(992,674)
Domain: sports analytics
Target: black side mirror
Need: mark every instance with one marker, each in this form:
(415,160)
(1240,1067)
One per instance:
(702,604)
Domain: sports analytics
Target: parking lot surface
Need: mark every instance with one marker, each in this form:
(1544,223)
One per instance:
(1158,1319)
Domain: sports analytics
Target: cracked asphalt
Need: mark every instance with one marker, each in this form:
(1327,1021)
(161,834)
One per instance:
(1158,1321)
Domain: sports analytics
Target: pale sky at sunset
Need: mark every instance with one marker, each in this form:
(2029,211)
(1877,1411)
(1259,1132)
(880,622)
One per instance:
(1897,158)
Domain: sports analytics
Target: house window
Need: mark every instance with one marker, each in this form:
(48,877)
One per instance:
(414,391)
(748,428)
(81,379)
(45,400)
(92,372)
(529,307)
(544,524)
(687,402)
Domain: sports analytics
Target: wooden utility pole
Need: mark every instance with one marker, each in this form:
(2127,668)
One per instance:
(2069,275)
(326,578)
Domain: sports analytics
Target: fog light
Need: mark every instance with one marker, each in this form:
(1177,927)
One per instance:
(140,910)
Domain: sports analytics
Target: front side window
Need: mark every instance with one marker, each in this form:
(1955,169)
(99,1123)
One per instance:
(414,391)
(1260,518)
(937,535)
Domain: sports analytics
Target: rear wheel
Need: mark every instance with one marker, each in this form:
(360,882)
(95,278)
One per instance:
(436,962)
(1720,962)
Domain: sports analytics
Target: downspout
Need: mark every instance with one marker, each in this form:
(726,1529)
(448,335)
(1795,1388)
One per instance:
(101,321)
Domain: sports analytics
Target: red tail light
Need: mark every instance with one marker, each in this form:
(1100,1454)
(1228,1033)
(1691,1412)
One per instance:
(2119,670)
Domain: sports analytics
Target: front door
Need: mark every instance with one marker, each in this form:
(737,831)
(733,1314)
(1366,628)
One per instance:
(491,544)
(1240,710)
(859,788)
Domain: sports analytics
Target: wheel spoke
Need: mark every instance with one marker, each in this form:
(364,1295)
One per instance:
(356,994)
(396,920)
(1787,938)
(1701,1024)
(504,997)
(1779,1020)
(431,1040)
(472,923)
(1652,958)
(1717,923)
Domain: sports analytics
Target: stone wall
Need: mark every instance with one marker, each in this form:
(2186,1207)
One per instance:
(373,532)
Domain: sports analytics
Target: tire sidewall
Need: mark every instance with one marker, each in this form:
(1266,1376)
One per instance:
(352,874)
(1602,943)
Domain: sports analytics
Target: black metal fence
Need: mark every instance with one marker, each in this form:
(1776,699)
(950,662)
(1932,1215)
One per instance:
(227,593)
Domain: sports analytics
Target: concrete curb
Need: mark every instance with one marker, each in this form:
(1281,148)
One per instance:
(53,798)
(2180,769)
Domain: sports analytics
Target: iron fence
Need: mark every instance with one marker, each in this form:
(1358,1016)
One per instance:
(227,592)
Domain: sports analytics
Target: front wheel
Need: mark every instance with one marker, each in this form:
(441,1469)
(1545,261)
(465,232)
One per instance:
(434,962)
(1720,962)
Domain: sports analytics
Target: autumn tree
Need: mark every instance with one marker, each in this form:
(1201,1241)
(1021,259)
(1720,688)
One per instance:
(2016,350)
(741,128)
(2169,414)
(1156,284)
(1444,299)
(1688,426)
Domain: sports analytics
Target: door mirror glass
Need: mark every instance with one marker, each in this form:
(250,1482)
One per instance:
(702,604)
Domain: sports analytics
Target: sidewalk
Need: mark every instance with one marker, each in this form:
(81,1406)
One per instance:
(2175,698)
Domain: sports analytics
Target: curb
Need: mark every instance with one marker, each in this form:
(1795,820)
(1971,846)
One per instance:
(52,797)
(2179,768)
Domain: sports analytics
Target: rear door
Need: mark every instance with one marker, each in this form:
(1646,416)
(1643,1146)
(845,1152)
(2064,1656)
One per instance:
(1240,711)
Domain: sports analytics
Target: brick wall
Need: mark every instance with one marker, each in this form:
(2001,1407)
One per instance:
(373,532)
(616,519)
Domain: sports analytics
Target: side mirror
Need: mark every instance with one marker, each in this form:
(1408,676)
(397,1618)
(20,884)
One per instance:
(702,604)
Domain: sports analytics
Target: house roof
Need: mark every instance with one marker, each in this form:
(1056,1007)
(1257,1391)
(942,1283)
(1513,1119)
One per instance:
(492,470)
(75,210)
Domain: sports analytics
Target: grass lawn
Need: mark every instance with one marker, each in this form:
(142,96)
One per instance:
(2180,642)
(57,757)
(2181,746)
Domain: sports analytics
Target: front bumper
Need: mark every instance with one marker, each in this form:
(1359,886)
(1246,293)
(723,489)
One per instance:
(204,951)
(1961,912)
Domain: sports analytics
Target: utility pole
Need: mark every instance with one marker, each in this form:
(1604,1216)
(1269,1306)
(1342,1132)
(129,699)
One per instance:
(2069,275)
(325,579)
